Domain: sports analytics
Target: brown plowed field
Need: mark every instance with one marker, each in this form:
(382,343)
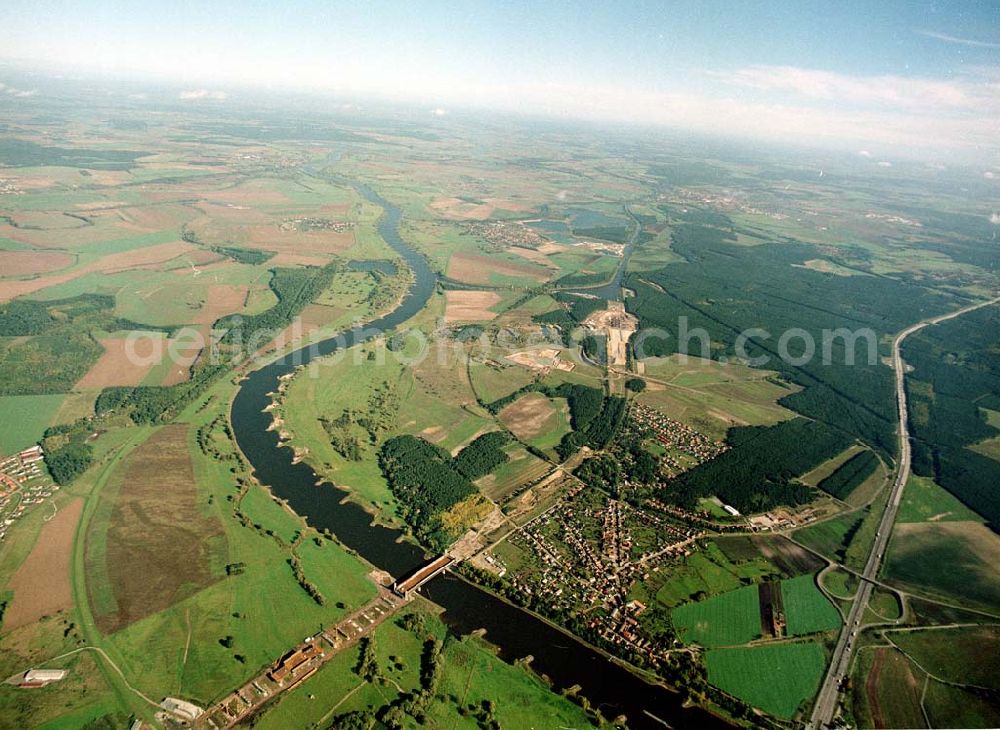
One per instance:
(42,585)
(117,367)
(466,306)
(26,263)
(475,269)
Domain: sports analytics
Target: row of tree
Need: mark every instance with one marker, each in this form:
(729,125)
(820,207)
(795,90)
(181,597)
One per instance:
(850,474)
(483,455)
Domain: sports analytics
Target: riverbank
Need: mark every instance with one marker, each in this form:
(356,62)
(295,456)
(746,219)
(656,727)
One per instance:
(562,658)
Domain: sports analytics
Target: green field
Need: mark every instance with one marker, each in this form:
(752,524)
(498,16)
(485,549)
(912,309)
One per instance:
(25,418)
(339,575)
(946,559)
(471,673)
(829,466)
(950,706)
(925,501)
(711,397)
(713,507)
(840,583)
(830,537)
(427,399)
(777,678)
(523,468)
(884,606)
(308,399)
(492,382)
(259,506)
(85,694)
(709,572)
(848,537)
(261,630)
(185,637)
(807,610)
(887,689)
(964,655)
(723,620)
(556,427)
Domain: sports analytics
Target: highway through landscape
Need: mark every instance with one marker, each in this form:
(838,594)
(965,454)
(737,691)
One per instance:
(840,664)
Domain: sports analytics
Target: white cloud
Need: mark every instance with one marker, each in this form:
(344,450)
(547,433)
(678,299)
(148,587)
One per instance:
(995,218)
(439,112)
(197,94)
(989,175)
(883,163)
(865,153)
(931,133)
(898,91)
(20,93)
(955,39)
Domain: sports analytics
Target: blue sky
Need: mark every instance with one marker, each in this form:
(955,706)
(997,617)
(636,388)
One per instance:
(895,74)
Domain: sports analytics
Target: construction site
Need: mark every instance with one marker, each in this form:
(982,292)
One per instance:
(617,326)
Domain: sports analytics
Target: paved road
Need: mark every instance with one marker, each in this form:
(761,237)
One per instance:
(826,700)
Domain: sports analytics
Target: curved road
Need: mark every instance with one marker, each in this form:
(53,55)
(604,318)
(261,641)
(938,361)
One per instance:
(826,700)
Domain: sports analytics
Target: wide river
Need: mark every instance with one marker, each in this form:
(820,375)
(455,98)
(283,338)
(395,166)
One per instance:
(518,633)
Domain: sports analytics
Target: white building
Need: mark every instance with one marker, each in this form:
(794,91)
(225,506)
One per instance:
(41,677)
(180,708)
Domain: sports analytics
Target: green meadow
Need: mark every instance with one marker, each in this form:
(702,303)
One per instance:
(778,678)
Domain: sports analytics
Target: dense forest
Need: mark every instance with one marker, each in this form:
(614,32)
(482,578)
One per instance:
(598,431)
(25,317)
(68,452)
(294,289)
(574,307)
(758,470)
(595,348)
(427,481)
(602,472)
(954,384)
(483,455)
(767,286)
(249,256)
(584,402)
